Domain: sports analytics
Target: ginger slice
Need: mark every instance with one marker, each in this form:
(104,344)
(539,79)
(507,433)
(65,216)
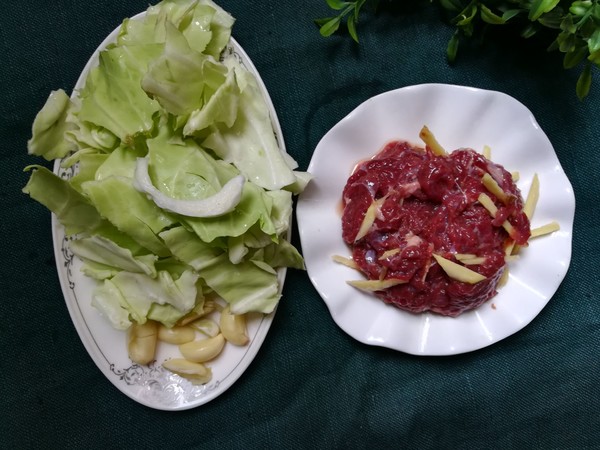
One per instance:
(430,141)
(532,197)
(375,285)
(545,229)
(458,272)
(348,262)
(493,186)
(488,204)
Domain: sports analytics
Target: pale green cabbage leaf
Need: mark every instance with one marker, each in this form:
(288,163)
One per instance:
(167,91)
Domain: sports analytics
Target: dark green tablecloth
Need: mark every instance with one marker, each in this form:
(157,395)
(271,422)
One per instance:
(311,386)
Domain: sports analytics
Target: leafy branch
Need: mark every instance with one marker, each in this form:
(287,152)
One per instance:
(347,11)
(575,26)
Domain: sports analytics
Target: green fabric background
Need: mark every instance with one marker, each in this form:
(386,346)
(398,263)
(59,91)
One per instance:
(311,385)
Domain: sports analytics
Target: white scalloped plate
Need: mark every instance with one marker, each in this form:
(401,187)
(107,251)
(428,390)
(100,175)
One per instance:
(459,117)
(152,385)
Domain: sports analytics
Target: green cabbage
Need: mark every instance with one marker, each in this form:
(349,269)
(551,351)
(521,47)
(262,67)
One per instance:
(113,99)
(49,128)
(162,92)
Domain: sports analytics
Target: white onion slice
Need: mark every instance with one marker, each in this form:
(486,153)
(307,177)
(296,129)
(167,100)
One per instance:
(218,204)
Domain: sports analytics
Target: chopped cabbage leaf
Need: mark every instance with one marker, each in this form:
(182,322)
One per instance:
(139,292)
(254,207)
(177,78)
(206,26)
(113,98)
(221,107)
(88,166)
(171,93)
(98,271)
(100,250)
(130,211)
(108,300)
(281,254)
(245,286)
(71,208)
(120,163)
(250,143)
(49,127)
(88,136)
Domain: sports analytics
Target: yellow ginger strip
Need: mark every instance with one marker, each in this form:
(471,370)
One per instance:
(473,261)
(458,272)
(487,152)
(532,197)
(427,136)
(488,204)
(545,229)
(503,278)
(530,203)
(492,186)
(509,248)
(461,256)
(516,176)
(367,222)
(375,285)
(348,262)
(389,253)
(511,258)
(370,217)
(469,258)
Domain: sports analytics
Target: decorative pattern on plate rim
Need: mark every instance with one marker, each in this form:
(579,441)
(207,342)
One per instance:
(154,381)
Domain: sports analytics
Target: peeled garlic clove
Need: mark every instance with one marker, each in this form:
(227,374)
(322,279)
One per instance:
(141,342)
(195,372)
(207,327)
(233,327)
(176,335)
(203,350)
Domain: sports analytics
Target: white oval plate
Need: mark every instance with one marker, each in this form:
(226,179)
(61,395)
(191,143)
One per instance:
(459,117)
(152,385)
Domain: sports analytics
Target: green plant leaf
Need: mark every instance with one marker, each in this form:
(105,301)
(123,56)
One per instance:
(451,5)
(351,23)
(510,13)
(553,19)
(330,27)
(595,58)
(596,12)
(322,21)
(466,16)
(568,25)
(336,4)
(567,42)
(586,27)
(574,57)
(452,48)
(553,46)
(584,82)
(488,16)
(580,8)
(357,8)
(594,41)
(529,31)
(539,7)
